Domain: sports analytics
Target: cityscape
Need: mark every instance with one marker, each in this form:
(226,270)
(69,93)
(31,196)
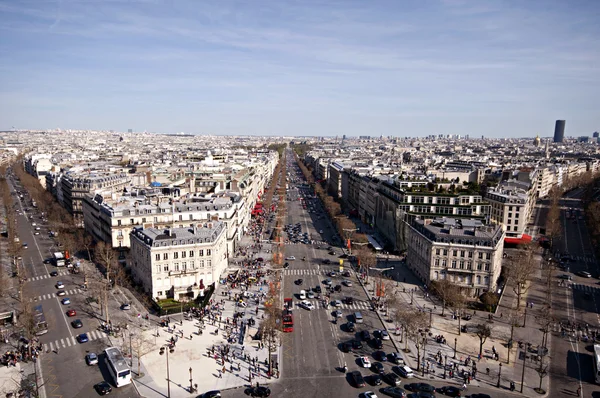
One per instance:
(299,199)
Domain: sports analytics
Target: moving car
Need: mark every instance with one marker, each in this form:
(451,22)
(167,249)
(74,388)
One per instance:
(357,345)
(60,285)
(290,258)
(126,306)
(337,313)
(211,394)
(368,394)
(565,277)
(450,391)
(418,387)
(350,326)
(103,388)
(377,367)
(347,283)
(54,273)
(404,371)
(83,338)
(396,358)
(71,313)
(377,343)
(364,362)
(392,379)
(66,301)
(61,293)
(337,303)
(374,380)
(91,359)
(357,379)
(77,324)
(394,392)
(261,391)
(585,274)
(307,305)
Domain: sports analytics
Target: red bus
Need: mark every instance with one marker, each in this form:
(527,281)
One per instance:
(288,321)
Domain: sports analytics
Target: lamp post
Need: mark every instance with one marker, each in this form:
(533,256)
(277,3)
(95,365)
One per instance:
(411,296)
(162,351)
(525,317)
(191,385)
(523,371)
(445,364)
(430,317)
(455,341)
(499,375)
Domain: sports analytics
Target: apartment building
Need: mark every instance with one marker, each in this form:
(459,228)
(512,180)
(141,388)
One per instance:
(464,251)
(512,203)
(178,263)
(112,221)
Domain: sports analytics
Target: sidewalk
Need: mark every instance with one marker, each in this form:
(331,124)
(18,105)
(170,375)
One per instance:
(193,357)
(467,344)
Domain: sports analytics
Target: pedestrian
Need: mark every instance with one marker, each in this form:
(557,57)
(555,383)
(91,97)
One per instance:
(464,387)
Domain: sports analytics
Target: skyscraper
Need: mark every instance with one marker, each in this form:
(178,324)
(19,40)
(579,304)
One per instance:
(559,131)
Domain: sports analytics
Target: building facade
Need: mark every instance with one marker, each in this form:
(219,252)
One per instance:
(178,263)
(466,252)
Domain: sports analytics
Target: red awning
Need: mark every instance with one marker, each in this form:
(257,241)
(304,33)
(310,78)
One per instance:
(518,241)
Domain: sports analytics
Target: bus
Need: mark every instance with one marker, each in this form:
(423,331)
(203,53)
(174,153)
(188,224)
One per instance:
(41,326)
(288,321)
(117,366)
(596,363)
(59,259)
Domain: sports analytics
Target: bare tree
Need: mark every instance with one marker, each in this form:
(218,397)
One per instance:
(413,322)
(366,260)
(483,331)
(520,270)
(271,326)
(445,291)
(140,346)
(553,224)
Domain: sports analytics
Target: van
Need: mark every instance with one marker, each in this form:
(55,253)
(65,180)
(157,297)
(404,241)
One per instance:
(405,371)
(358,318)
(302,294)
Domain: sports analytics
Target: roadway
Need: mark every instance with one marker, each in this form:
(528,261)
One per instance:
(577,302)
(64,369)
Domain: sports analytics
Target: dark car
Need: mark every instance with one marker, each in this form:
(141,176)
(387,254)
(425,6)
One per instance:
(394,392)
(83,338)
(479,395)
(317,289)
(356,344)
(392,379)
(380,356)
(357,379)
(261,391)
(350,326)
(424,387)
(337,288)
(421,394)
(346,274)
(103,388)
(211,394)
(54,273)
(326,261)
(451,391)
(365,335)
(377,367)
(374,380)
(299,281)
(77,323)
(377,343)
(349,300)
(286,265)
(347,346)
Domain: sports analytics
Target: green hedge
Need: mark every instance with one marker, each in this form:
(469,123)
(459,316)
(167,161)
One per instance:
(172,306)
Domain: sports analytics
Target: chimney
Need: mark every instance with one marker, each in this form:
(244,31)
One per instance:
(195,229)
(168,232)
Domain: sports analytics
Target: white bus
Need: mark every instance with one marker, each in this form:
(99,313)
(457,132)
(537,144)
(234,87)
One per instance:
(597,363)
(117,366)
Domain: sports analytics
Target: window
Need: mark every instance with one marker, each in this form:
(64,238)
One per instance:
(487,266)
(480,256)
(437,252)
(436,275)
(191,253)
(201,253)
(176,266)
(157,256)
(470,254)
(445,252)
(478,279)
(201,263)
(191,265)
(165,256)
(175,255)
(453,263)
(208,252)
(462,253)
(454,253)
(462,265)
(158,269)
(166,268)
(181,217)
(516,215)
(488,256)
(144,219)
(509,221)
(183,254)
(119,223)
(209,263)
(479,266)
(184,265)
(516,228)
(437,262)
(155,219)
(159,293)
(444,263)
(469,265)
(486,280)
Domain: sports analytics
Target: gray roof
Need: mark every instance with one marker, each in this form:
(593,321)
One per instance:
(201,233)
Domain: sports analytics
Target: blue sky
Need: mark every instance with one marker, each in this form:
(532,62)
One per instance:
(286,67)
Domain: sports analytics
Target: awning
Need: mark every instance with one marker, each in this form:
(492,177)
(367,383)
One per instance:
(374,243)
(518,241)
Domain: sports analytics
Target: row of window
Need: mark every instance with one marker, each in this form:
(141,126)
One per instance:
(469,254)
(183,266)
(184,254)
(468,279)
(456,264)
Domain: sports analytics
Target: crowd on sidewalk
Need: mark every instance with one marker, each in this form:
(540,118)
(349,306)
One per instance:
(22,353)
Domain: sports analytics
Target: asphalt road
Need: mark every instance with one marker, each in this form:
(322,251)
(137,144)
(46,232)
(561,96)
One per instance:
(572,361)
(64,369)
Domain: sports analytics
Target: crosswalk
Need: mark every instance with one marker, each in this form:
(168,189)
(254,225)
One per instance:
(297,272)
(586,259)
(49,296)
(585,288)
(312,242)
(71,341)
(46,276)
(357,305)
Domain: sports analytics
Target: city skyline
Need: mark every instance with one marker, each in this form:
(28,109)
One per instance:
(301,68)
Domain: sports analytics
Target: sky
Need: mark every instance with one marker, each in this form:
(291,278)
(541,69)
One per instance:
(305,68)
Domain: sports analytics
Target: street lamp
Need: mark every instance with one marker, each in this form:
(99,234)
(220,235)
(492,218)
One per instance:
(445,364)
(192,389)
(430,317)
(161,352)
(455,341)
(499,375)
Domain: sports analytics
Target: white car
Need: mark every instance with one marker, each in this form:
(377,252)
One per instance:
(33,224)
(91,359)
(369,394)
(307,305)
(320,231)
(290,258)
(364,362)
(384,335)
(337,303)
(347,283)
(337,313)
(243,304)
(37,228)
(60,285)
(66,301)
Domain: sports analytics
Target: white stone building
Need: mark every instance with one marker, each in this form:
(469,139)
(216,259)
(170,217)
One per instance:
(178,262)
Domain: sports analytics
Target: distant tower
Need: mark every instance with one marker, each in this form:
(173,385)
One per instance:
(537,141)
(596,134)
(559,131)
(547,148)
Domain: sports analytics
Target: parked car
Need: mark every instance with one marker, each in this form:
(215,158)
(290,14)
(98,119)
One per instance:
(91,359)
(126,306)
(357,380)
(394,392)
(103,388)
